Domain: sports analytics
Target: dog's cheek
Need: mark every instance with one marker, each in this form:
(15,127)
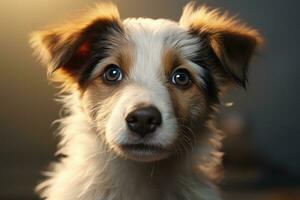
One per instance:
(188,104)
(98,101)
(191,110)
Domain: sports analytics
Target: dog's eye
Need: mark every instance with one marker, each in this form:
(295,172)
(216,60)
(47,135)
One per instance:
(181,78)
(112,74)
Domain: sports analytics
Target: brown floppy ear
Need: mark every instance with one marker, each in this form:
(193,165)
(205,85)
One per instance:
(233,43)
(67,48)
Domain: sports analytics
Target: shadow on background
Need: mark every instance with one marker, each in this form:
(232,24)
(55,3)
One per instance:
(262,148)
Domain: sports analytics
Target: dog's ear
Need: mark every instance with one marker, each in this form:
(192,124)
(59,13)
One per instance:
(67,47)
(232,43)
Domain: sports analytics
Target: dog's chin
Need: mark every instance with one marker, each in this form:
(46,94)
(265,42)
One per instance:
(143,152)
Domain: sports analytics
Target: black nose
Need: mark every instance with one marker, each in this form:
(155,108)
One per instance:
(144,120)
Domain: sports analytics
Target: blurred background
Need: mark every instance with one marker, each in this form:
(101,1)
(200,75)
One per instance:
(262,148)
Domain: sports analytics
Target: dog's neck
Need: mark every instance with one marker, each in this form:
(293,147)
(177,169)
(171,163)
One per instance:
(170,179)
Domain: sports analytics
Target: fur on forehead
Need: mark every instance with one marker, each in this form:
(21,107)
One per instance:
(163,35)
(158,44)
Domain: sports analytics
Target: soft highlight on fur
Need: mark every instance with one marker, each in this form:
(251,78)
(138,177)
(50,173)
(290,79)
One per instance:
(103,159)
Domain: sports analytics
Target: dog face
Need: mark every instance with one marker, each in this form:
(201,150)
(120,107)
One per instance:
(148,86)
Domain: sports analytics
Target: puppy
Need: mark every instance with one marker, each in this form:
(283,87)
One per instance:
(140,97)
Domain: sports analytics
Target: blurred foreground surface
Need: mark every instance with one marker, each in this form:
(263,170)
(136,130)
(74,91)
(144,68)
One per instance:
(239,184)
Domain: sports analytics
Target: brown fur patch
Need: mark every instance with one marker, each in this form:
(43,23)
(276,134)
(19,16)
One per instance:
(125,56)
(191,110)
(170,60)
(100,98)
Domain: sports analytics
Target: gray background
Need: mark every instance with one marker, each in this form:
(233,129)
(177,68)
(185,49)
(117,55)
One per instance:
(27,108)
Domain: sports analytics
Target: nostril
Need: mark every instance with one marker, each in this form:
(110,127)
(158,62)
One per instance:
(154,121)
(151,121)
(132,122)
(152,127)
(131,119)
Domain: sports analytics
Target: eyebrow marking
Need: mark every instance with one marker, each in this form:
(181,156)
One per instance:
(91,65)
(170,60)
(204,79)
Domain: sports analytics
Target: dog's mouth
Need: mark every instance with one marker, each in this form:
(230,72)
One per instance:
(144,152)
(142,147)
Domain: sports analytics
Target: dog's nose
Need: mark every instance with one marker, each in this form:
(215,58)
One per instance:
(144,120)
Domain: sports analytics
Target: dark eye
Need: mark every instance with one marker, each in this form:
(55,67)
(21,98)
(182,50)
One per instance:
(181,78)
(112,74)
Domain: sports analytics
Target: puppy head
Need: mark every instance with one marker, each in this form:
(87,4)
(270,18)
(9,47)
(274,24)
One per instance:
(148,86)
